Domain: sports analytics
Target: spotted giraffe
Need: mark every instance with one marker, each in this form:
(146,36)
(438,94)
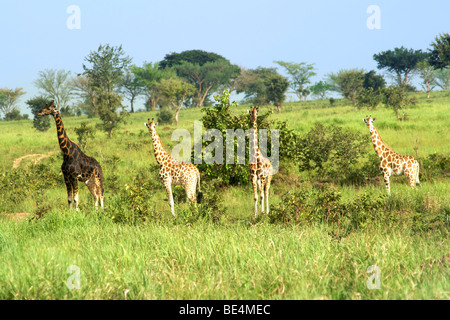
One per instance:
(173,171)
(76,165)
(392,163)
(260,168)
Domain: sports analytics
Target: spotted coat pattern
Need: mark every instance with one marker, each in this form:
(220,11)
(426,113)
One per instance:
(173,171)
(76,165)
(392,163)
(260,168)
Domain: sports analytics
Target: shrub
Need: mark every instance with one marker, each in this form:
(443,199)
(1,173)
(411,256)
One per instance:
(435,165)
(84,133)
(36,104)
(324,205)
(332,151)
(221,117)
(164,117)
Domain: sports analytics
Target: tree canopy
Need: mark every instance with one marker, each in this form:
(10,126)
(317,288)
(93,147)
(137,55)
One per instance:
(107,67)
(55,84)
(300,74)
(440,53)
(199,57)
(400,61)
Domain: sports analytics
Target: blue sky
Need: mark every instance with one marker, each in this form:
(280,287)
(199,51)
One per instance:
(331,34)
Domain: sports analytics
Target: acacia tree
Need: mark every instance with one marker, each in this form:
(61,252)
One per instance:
(442,78)
(9,99)
(207,77)
(300,74)
(427,74)
(439,56)
(320,89)
(207,71)
(81,87)
(252,83)
(131,87)
(348,83)
(150,75)
(374,81)
(276,87)
(56,85)
(400,62)
(107,67)
(176,90)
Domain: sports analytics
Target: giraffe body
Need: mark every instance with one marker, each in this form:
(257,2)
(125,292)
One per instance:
(260,169)
(173,171)
(76,165)
(392,163)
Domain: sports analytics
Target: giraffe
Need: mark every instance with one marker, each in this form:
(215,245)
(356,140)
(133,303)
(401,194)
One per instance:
(173,171)
(392,163)
(260,167)
(76,165)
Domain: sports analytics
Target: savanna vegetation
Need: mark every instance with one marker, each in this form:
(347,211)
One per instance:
(330,219)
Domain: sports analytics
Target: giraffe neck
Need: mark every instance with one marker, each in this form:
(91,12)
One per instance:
(377,142)
(255,142)
(64,142)
(160,153)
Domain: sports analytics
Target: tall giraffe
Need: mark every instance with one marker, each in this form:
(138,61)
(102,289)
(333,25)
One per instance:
(260,168)
(392,163)
(76,165)
(173,171)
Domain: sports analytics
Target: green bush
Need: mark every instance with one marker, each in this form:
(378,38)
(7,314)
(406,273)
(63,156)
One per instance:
(435,165)
(324,205)
(332,152)
(84,133)
(164,117)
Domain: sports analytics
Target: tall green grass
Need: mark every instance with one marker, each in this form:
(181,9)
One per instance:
(236,257)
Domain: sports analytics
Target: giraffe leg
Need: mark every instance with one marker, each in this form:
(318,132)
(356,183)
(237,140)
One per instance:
(69,192)
(387,183)
(255,193)
(261,184)
(190,193)
(411,179)
(168,186)
(266,190)
(75,193)
(92,185)
(417,174)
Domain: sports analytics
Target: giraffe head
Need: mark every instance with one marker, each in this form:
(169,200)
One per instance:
(49,108)
(369,121)
(253,113)
(151,125)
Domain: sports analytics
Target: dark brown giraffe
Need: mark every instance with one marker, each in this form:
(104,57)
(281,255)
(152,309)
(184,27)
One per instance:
(76,165)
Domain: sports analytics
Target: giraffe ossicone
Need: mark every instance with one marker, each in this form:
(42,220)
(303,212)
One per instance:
(392,163)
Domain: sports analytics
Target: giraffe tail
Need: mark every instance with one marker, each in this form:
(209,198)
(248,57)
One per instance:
(417,174)
(200,194)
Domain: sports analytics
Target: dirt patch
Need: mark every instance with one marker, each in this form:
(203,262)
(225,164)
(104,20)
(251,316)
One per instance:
(36,157)
(17,216)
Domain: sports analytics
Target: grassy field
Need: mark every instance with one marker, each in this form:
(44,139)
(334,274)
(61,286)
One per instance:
(134,249)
